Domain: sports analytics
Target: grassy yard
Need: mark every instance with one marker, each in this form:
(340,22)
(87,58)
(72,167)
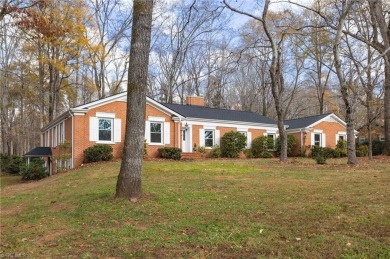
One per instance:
(213,208)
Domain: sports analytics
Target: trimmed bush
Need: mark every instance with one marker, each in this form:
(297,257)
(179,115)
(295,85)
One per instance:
(341,148)
(215,152)
(99,152)
(232,143)
(362,151)
(291,142)
(34,171)
(170,153)
(320,155)
(321,159)
(260,145)
(267,154)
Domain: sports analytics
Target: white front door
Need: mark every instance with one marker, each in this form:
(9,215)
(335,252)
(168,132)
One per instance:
(186,140)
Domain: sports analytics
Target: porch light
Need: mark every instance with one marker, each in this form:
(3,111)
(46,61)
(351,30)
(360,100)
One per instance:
(185,127)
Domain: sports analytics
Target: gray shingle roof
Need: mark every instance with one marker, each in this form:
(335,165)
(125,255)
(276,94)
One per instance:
(304,122)
(39,152)
(192,111)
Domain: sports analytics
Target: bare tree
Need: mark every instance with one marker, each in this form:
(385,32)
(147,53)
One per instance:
(345,88)
(110,24)
(275,41)
(129,179)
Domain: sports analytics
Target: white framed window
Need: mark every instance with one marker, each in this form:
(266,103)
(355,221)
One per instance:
(381,138)
(105,129)
(209,138)
(54,132)
(47,139)
(156,131)
(62,133)
(317,139)
(362,140)
(272,135)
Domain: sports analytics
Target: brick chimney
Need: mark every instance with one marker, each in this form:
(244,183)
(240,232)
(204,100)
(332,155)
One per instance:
(195,100)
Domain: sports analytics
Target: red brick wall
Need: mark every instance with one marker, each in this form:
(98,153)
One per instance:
(330,129)
(257,133)
(81,132)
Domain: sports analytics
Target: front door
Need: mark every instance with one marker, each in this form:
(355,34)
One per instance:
(186,140)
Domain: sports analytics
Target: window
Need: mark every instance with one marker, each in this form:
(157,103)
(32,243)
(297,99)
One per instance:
(243,133)
(54,132)
(317,139)
(105,130)
(381,138)
(47,139)
(362,140)
(62,132)
(341,138)
(209,138)
(273,136)
(155,132)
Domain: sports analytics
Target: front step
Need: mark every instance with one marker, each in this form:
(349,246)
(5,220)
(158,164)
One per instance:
(191,156)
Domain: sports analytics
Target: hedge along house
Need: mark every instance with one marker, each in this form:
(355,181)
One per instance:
(320,130)
(166,125)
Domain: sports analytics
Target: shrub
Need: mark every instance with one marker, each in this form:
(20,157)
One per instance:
(329,152)
(341,148)
(145,148)
(377,147)
(170,153)
(267,154)
(362,150)
(99,152)
(215,152)
(315,150)
(232,143)
(34,171)
(290,144)
(260,145)
(320,159)
(11,164)
(202,150)
(320,155)
(248,153)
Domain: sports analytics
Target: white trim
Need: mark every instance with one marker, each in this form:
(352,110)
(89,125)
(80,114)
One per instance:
(102,115)
(155,118)
(229,123)
(333,116)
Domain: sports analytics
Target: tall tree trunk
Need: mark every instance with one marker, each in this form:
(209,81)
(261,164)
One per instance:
(387,105)
(344,88)
(129,179)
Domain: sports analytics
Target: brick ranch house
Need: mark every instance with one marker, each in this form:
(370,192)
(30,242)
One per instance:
(320,130)
(166,125)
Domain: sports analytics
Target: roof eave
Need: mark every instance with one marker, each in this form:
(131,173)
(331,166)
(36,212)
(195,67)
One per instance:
(245,123)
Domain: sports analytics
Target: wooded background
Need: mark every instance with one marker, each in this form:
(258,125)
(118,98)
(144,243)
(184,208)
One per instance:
(57,54)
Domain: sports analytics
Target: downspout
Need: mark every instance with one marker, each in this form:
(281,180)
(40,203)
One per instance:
(71,115)
(301,142)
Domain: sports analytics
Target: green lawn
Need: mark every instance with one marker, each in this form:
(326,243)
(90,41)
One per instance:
(213,208)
